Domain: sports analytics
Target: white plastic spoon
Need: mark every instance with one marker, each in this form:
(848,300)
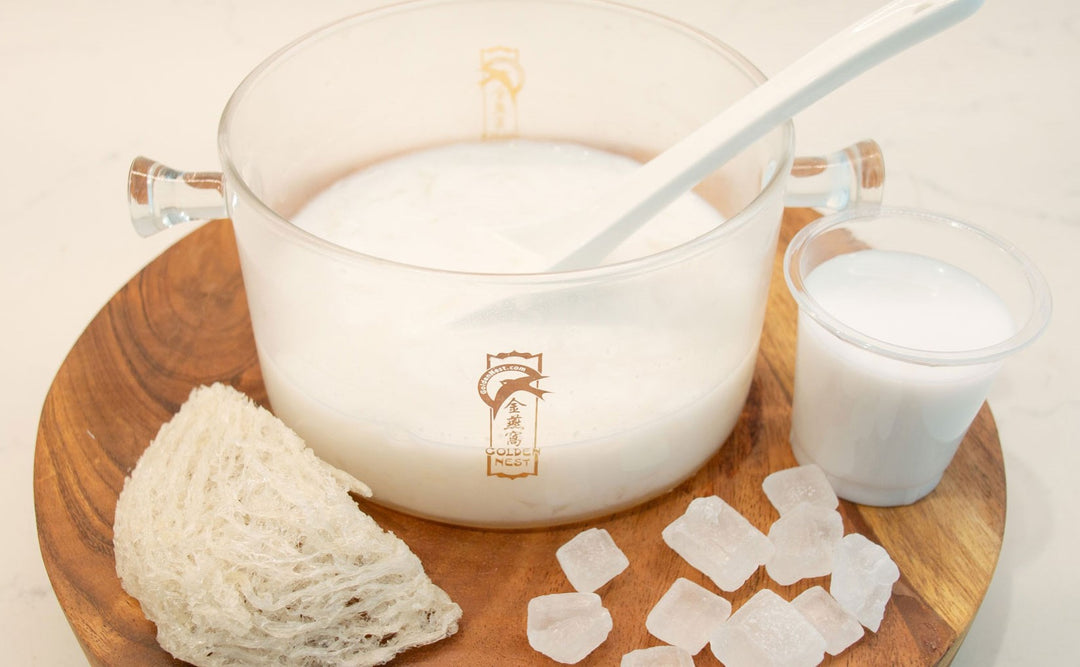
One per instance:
(654,185)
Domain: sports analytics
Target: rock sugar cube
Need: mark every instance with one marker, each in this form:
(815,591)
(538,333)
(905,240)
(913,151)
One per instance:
(768,632)
(658,656)
(862,579)
(785,489)
(687,615)
(805,538)
(714,538)
(591,559)
(839,628)
(566,627)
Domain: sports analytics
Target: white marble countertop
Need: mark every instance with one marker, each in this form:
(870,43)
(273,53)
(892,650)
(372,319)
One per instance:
(979,123)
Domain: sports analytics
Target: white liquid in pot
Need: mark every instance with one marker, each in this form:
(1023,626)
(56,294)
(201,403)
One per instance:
(492,207)
(622,410)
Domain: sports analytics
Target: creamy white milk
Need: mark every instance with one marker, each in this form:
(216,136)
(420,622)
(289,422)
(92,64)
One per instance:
(885,430)
(496,207)
(599,410)
(579,474)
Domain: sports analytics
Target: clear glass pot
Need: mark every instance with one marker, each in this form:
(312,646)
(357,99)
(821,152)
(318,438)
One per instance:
(500,400)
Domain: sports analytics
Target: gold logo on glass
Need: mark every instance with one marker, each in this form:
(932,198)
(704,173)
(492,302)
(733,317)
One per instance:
(501,79)
(510,388)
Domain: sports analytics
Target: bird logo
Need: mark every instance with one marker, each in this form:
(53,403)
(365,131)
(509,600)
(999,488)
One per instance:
(509,386)
(500,65)
(501,79)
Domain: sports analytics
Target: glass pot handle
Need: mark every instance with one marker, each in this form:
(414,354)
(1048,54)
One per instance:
(849,177)
(160,197)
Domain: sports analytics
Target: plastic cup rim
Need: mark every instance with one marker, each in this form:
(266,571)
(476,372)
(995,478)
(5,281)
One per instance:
(1026,332)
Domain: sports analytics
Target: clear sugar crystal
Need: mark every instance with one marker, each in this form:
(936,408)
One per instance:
(566,627)
(862,579)
(714,538)
(804,484)
(839,628)
(687,615)
(768,632)
(591,559)
(805,539)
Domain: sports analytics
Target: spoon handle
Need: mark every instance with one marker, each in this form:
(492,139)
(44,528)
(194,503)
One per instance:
(862,45)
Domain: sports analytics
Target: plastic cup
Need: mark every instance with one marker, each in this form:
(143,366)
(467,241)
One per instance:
(905,318)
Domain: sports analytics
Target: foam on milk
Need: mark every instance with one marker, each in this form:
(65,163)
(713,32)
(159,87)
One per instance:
(417,434)
(881,428)
(476,206)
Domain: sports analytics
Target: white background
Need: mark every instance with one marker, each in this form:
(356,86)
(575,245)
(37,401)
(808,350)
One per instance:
(979,123)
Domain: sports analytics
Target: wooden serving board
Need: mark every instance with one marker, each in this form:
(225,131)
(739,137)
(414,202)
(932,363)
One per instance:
(183,321)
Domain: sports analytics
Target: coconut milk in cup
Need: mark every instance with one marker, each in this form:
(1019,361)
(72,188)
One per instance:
(423,345)
(905,318)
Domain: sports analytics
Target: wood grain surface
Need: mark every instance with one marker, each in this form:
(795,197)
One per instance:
(183,321)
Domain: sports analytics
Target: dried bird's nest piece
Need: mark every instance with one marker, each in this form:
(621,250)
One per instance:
(244,548)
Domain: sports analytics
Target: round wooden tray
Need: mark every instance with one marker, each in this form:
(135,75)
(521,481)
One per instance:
(183,321)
